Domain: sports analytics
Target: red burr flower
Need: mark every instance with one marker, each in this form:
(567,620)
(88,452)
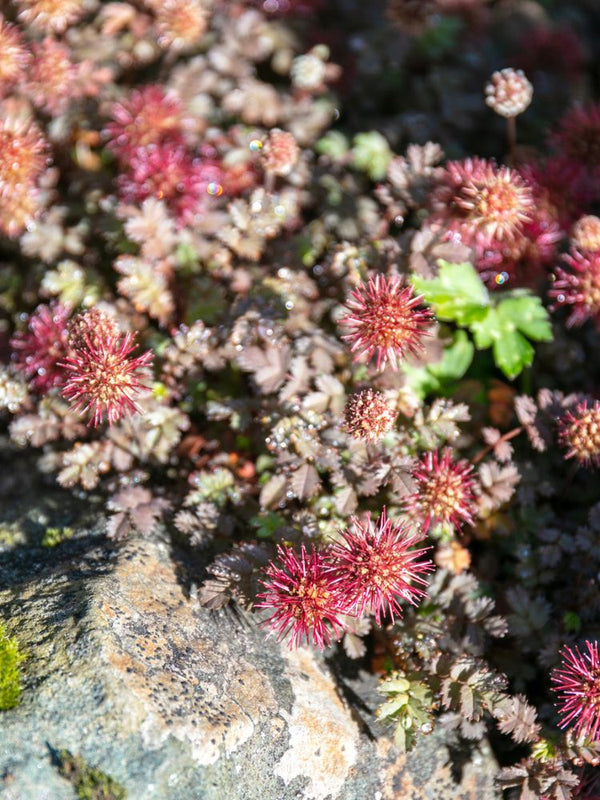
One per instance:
(579,432)
(376,568)
(102,377)
(148,116)
(168,172)
(444,491)
(301,592)
(15,56)
(579,287)
(480,200)
(383,320)
(577,684)
(50,16)
(578,137)
(52,75)
(40,349)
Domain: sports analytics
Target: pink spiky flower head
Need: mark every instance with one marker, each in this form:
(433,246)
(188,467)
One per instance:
(102,379)
(578,137)
(444,491)
(579,432)
(578,287)
(40,349)
(577,683)
(300,590)
(383,320)
(50,16)
(479,200)
(376,568)
(15,56)
(147,116)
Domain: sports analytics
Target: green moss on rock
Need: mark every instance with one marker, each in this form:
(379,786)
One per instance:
(10,677)
(88,782)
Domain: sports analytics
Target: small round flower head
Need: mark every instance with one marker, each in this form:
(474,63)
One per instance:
(585,235)
(181,23)
(383,320)
(509,92)
(368,415)
(578,287)
(579,432)
(444,493)
(280,152)
(376,568)
(148,116)
(308,72)
(15,57)
(577,684)
(299,589)
(40,349)
(102,379)
(479,199)
(51,75)
(50,16)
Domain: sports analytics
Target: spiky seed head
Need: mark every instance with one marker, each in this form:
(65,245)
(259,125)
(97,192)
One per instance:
(444,493)
(102,378)
(368,415)
(509,92)
(15,57)
(383,320)
(299,589)
(579,432)
(39,350)
(578,286)
(376,567)
(148,116)
(479,199)
(577,684)
(50,16)
(578,137)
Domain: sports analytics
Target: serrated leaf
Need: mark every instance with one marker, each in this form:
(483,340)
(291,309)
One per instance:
(391,707)
(272,491)
(305,482)
(346,501)
(457,294)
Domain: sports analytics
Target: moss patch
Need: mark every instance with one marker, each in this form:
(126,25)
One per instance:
(10,677)
(88,782)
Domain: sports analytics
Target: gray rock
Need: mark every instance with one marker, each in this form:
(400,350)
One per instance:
(179,703)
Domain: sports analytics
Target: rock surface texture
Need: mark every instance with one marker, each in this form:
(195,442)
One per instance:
(175,702)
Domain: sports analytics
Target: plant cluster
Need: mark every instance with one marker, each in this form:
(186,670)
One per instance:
(330,312)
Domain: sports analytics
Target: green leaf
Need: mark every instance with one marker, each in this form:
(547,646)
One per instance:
(529,316)
(512,352)
(457,293)
(456,360)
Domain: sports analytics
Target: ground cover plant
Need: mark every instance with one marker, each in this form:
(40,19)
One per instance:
(317,286)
